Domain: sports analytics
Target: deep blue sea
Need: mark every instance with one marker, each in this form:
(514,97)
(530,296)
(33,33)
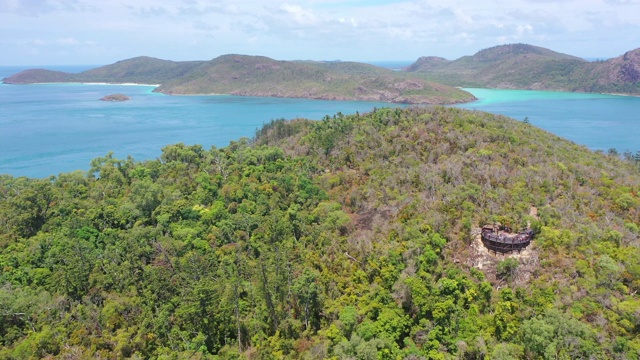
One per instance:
(47,129)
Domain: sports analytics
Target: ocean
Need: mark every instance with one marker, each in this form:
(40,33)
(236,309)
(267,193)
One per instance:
(46,129)
(598,121)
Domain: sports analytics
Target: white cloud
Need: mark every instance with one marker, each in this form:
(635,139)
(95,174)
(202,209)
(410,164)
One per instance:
(25,8)
(70,41)
(523,29)
(350,21)
(300,15)
(313,29)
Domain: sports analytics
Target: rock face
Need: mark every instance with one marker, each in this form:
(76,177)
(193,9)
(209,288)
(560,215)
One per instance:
(115,97)
(623,69)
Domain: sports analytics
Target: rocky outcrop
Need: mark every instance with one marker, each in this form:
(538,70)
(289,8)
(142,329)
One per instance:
(623,69)
(116,97)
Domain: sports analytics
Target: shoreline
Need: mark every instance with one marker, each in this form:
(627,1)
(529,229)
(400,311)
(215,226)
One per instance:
(548,90)
(156,86)
(196,114)
(217,94)
(210,94)
(327,99)
(123,84)
(85,83)
(622,94)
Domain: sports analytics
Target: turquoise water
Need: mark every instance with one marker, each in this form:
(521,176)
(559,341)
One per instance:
(599,121)
(46,129)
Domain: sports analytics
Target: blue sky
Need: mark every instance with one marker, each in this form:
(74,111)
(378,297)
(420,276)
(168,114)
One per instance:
(70,32)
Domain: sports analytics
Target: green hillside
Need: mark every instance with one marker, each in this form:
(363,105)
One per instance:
(522,66)
(143,69)
(262,76)
(35,76)
(347,238)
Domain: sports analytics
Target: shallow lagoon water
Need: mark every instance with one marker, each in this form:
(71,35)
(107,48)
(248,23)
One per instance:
(46,129)
(598,121)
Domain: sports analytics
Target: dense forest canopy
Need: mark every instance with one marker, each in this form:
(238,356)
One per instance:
(346,238)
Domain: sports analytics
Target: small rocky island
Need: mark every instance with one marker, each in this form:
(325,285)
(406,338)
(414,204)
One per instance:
(115,97)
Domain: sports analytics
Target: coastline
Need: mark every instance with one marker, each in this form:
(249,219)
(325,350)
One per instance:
(510,95)
(83,83)
(90,83)
(155,121)
(622,94)
(329,98)
(125,84)
(325,98)
(208,94)
(469,89)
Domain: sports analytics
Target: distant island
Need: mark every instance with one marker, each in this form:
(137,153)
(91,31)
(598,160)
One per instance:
(115,97)
(522,66)
(262,76)
(430,80)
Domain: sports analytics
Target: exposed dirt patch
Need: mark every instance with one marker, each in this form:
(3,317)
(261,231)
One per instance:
(410,84)
(482,259)
(365,220)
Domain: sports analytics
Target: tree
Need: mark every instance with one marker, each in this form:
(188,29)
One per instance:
(507,269)
(556,335)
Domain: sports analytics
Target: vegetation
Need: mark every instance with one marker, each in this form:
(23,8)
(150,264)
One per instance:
(521,66)
(343,238)
(514,66)
(262,76)
(115,97)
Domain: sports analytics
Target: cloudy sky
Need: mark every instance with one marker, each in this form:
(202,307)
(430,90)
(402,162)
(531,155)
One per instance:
(71,32)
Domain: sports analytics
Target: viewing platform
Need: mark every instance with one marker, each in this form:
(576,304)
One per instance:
(501,239)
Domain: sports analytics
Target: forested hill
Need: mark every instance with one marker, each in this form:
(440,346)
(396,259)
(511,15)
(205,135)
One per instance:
(350,237)
(262,76)
(522,66)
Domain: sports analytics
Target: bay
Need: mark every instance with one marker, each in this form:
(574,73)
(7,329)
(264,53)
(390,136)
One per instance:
(598,121)
(46,129)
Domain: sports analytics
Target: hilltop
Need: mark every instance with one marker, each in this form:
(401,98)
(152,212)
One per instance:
(513,66)
(262,76)
(350,237)
(522,66)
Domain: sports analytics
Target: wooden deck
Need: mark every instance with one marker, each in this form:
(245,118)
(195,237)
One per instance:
(502,241)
